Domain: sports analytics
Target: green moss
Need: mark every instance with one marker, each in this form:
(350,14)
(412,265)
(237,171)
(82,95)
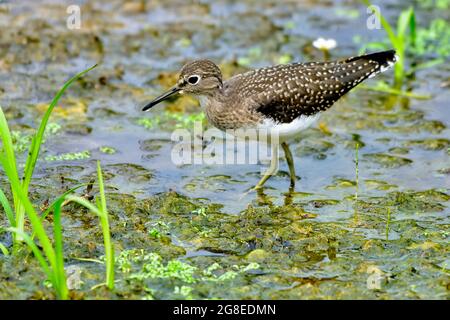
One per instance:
(168,120)
(22,140)
(107,150)
(429,144)
(342,183)
(70,156)
(410,202)
(139,265)
(378,185)
(387,160)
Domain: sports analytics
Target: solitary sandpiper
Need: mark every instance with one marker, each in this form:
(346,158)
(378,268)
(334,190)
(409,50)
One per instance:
(284,98)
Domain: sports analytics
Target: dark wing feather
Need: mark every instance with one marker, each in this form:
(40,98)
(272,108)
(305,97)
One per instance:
(285,92)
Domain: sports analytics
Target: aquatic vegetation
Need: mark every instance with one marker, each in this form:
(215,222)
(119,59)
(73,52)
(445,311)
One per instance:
(52,258)
(325,45)
(382,86)
(155,233)
(107,150)
(179,120)
(8,161)
(408,202)
(387,160)
(429,144)
(70,156)
(4,250)
(53,265)
(356,171)
(284,59)
(101,211)
(434,39)
(152,266)
(139,265)
(439,4)
(20,141)
(399,39)
(53,262)
(388,221)
(158,229)
(252,55)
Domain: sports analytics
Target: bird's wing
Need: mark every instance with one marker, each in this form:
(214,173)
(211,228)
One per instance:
(285,92)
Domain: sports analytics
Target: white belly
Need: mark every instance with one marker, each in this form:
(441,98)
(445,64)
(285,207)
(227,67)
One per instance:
(286,131)
(270,129)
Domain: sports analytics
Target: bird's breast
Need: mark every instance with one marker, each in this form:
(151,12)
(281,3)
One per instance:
(289,130)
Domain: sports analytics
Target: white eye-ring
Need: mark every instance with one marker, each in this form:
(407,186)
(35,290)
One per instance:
(194,79)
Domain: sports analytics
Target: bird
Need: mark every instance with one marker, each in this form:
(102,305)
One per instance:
(285,98)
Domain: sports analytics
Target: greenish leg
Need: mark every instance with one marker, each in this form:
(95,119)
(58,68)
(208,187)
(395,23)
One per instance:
(290,162)
(272,168)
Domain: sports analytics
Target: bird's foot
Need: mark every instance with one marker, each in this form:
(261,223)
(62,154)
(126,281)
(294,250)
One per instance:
(257,189)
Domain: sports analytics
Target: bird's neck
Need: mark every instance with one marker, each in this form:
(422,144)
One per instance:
(216,97)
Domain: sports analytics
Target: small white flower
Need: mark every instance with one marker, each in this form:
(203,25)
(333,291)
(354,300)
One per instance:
(324,44)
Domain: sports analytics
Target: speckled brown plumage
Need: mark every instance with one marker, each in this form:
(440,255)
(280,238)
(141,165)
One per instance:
(285,92)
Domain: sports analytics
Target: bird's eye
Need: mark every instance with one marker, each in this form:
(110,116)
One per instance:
(194,79)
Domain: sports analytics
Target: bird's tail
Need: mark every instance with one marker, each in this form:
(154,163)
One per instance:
(347,74)
(374,63)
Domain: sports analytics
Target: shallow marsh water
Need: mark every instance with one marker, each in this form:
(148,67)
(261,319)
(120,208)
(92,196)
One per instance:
(189,231)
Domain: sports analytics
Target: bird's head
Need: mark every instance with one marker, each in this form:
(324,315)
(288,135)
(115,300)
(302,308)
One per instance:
(201,77)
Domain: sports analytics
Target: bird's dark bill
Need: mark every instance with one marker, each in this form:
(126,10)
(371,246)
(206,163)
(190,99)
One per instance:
(162,97)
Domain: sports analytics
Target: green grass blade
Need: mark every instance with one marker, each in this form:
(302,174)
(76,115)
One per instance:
(109,255)
(397,92)
(388,221)
(5,136)
(84,203)
(33,216)
(52,206)
(412,28)
(101,189)
(109,250)
(60,275)
(4,250)
(8,157)
(51,268)
(37,139)
(396,41)
(7,208)
(403,23)
(61,197)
